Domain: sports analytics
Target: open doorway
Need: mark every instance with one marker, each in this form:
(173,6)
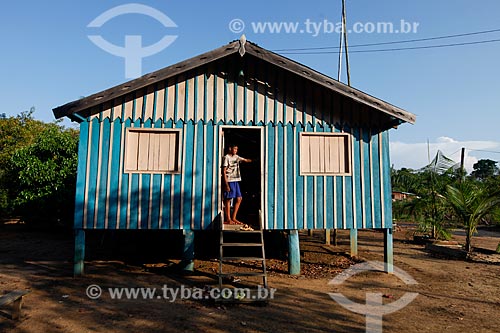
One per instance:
(249,145)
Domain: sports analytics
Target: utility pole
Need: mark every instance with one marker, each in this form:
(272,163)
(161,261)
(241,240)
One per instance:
(343,42)
(462,171)
(344,28)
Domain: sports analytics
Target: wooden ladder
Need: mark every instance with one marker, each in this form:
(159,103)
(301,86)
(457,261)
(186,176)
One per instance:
(239,240)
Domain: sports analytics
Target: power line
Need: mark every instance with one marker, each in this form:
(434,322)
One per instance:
(455,152)
(485,151)
(393,42)
(402,48)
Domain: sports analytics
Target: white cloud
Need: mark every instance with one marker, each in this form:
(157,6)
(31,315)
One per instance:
(416,155)
(445,139)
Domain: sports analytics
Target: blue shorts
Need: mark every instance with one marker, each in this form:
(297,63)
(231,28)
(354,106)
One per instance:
(234,192)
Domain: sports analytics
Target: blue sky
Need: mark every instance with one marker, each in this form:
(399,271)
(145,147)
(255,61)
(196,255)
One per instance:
(47,59)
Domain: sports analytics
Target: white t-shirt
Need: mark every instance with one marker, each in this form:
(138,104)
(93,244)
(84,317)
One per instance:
(232,163)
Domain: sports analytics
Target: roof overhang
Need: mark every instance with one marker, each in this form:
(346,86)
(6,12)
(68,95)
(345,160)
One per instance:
(397,114)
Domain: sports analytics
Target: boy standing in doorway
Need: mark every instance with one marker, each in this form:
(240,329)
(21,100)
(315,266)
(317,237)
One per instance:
(231,184)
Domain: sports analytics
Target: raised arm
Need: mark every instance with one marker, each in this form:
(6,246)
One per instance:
(246,160)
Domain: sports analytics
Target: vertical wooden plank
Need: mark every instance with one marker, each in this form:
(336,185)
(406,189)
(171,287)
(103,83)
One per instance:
(154,152)
(149,103)
(193,167)
(308,102)
(314,153)
(106,110)
(191,98)
(334,154)
(109,173)
(99,172)
(261,94)
(219,106)
(299,180)
(139,105)
(285,146)
(127,114)
(248,114)
(170,100)
(200,97)
(267,177)
(290,100)
(132,150)
(143,151)
(354,152)
(341,154)
(305,154)
(164,152)
(321,154)
(81,175)
(328,158)
(280,96)
(173,159)
(276,178)
(240,100)
(363,181)
(116,111)
(230,99)
(294,176)
(205,156)
(210,100)
(160,101)
(387,182)
(181,98)
(319,108)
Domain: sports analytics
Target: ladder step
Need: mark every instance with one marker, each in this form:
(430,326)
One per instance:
(243,258)
(242,274)
(242,231)
(241,244)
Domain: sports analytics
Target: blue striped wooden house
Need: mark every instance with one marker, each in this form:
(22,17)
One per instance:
(150,149)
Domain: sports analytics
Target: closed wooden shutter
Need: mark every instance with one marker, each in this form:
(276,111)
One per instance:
(325,154)
(152,151)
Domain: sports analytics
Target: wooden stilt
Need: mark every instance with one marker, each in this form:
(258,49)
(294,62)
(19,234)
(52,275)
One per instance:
(388,251)
(354,242)
(79,258)
(187,263)
(293,252)
(327,236)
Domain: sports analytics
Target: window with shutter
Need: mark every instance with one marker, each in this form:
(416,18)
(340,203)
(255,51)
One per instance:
(152,151)
(325,154)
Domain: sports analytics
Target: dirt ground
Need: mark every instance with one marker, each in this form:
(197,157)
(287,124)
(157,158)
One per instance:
(453,295)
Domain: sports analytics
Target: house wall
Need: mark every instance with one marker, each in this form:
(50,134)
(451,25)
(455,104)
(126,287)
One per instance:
(199,103)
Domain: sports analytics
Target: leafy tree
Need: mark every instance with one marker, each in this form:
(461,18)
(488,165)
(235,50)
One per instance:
(40,177)
(15,133)
(484,169)
(472,203)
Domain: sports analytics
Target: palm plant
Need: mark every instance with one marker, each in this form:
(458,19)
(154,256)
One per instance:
(471,204)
